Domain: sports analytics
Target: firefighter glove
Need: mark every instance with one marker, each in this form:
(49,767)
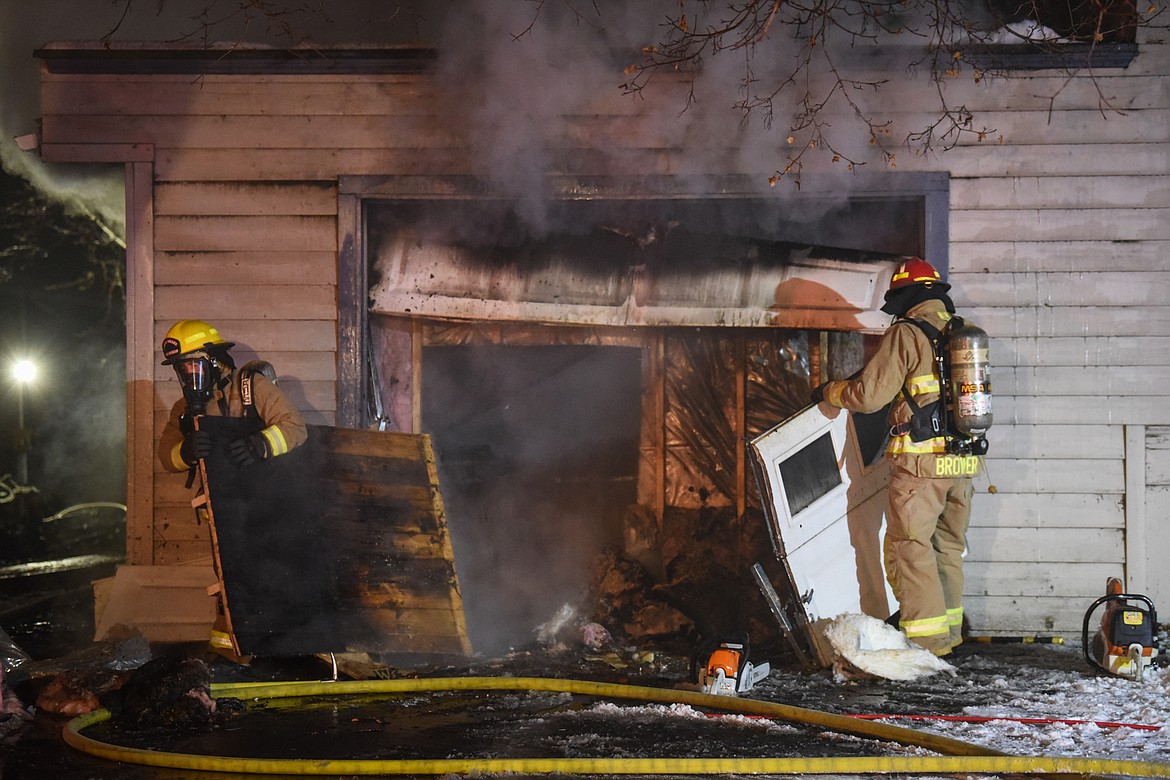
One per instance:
(196,445)
(248,449)
(818,393)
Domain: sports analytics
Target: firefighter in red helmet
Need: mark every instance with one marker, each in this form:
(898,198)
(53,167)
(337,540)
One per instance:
(930,491)
(212,385)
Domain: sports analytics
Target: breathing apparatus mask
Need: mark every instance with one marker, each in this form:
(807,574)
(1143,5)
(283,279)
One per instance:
(199,374)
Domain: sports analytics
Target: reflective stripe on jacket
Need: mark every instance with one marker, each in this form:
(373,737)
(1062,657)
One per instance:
(284,426)
(904,360)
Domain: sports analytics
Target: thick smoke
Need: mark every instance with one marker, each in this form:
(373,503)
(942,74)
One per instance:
(94,191)
(511,72)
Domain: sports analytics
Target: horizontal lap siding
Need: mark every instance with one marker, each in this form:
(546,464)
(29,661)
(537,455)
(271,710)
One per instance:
(1060,226)
(245,208)
(256,255)
(259,262)
(1157,510)
(1059,236)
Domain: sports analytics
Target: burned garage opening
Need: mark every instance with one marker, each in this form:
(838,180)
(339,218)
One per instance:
(592,370)
(538,452)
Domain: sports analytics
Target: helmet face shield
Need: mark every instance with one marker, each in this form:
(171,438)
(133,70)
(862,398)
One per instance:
(198,375)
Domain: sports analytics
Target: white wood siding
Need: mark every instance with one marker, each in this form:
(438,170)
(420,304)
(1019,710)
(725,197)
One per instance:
(1058,248)
(1155,545)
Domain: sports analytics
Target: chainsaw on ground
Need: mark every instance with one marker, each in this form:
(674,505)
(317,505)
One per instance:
(1124,643)
(724,669)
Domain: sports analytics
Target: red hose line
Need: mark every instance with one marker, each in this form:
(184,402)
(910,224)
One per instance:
(1104,724)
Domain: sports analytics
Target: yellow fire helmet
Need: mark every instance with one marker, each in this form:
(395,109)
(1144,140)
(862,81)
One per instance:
(190,336)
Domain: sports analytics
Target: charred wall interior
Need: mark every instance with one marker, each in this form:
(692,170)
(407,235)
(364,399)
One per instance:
(592,454)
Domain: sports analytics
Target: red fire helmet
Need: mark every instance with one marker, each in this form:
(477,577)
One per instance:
(916,271)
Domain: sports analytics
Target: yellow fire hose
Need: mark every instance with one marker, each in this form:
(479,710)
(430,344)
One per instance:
(960,757)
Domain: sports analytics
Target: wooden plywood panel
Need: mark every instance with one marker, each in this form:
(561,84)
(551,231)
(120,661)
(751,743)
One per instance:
(339,546)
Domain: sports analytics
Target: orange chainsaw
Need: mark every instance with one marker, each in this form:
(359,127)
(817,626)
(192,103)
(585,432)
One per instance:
(725,669)
(1124,643)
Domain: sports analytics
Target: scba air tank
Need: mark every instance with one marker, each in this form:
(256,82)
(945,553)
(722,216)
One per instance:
(970,379)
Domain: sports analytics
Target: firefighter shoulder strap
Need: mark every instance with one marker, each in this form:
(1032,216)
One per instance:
(928,421)
(247,372)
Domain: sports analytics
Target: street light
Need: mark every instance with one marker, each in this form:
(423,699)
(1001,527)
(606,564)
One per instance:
(24,371)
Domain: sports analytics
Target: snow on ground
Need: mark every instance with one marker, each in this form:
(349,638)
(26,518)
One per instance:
(1075,696)
(1007,683)
(1077,706)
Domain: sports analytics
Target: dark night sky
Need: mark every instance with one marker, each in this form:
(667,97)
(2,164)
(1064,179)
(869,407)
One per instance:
(60,310)
(75,331)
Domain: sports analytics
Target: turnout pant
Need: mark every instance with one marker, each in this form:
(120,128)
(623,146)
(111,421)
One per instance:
(926,528)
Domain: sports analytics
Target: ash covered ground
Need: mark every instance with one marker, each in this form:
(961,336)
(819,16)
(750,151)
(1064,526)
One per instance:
(993,688)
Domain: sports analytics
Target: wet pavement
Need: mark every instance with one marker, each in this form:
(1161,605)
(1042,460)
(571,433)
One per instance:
(57,626)
(480,724)
(521,723)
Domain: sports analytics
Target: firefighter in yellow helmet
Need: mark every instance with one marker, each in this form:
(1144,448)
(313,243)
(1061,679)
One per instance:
(930,491)
(212,385)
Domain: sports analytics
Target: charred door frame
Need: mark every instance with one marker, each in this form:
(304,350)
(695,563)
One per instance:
(932,189)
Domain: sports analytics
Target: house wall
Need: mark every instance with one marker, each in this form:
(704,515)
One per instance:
(1060,218)
(1058,240)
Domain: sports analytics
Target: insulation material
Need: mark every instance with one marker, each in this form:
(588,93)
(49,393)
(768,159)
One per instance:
(865,647)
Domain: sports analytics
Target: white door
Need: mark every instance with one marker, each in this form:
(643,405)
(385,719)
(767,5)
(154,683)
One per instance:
(826,512)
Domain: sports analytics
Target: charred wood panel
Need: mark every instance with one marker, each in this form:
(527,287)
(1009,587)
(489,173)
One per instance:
(340,545)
